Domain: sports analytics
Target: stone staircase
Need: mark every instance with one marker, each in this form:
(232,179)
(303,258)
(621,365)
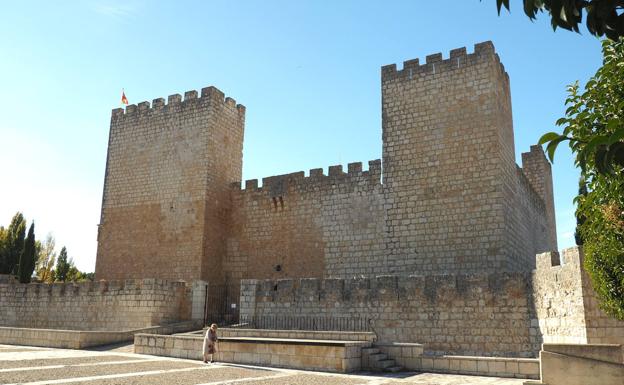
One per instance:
(373,359)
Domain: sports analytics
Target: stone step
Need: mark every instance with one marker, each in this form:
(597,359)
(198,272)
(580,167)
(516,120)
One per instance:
(377,357)
(370,351)
(385,364)
(394,369)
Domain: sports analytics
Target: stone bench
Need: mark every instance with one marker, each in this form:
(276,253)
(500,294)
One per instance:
(323,355)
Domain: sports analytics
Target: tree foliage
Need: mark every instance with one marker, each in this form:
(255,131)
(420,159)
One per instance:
(580,218)
(27,260)
(21,256)
(4,245)
(62,266)
(12,244)
(602,17)
(46,259)
(594,128)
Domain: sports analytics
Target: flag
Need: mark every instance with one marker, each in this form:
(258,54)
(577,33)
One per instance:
(124,100)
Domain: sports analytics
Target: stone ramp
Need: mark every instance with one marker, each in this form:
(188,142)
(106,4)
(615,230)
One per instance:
(589,364)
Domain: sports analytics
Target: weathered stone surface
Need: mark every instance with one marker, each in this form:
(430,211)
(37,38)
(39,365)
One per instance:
(112,306)
(452,199)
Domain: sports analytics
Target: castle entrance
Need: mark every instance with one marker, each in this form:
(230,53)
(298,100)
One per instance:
(222,304)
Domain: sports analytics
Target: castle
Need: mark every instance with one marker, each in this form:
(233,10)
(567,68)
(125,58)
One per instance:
(452,199)
(444,243)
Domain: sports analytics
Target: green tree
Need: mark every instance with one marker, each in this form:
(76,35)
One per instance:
(594,128)
(73,274)
(46,257)
(4,245)
(13,245)
(62,266)
(603,17)
(28,257)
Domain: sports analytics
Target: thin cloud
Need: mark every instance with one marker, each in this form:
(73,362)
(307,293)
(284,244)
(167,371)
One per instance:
(116,11)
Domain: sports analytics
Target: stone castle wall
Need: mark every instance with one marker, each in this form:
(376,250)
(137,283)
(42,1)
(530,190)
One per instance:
(566,304)
(107,306)
(474,314)
(166,188)
(500,314)
(315,226)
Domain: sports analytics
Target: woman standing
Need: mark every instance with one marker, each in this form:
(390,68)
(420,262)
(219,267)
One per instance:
(210,343)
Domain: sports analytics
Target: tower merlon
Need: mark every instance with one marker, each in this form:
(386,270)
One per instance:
(158,103)
(335,170)
(484,48)
(316,172)
(230,102)
(354,168)
(434,58)
(374,168)
(458,52)
(174,99)
(190,95)
(251,184)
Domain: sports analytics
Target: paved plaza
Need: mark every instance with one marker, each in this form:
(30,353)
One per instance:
(31,365)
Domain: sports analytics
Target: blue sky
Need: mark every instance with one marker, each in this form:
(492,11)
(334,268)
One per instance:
(307,71)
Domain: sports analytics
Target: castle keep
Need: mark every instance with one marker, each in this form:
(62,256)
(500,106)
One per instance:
(446,198)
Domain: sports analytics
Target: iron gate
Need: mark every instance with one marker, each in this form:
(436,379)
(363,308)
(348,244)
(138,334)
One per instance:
(222,304)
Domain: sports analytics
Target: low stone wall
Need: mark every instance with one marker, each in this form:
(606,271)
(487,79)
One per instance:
(73,339)
(482,366)
(576,364)
(331,356)
(103,306)
(476,315)
(7,278)
(298,334)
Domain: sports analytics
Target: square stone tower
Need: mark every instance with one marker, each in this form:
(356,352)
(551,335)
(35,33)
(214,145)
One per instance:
(456,200)
(166,198)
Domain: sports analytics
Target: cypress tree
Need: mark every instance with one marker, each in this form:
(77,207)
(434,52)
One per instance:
(580,218)
(62,266)
(13,245)
(27,259)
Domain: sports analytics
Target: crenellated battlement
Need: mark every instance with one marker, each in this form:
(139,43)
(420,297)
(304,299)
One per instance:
(101,305)
(570,258)
(280,184)
(71,289)
(386,287)
(175,103)
(435,64)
